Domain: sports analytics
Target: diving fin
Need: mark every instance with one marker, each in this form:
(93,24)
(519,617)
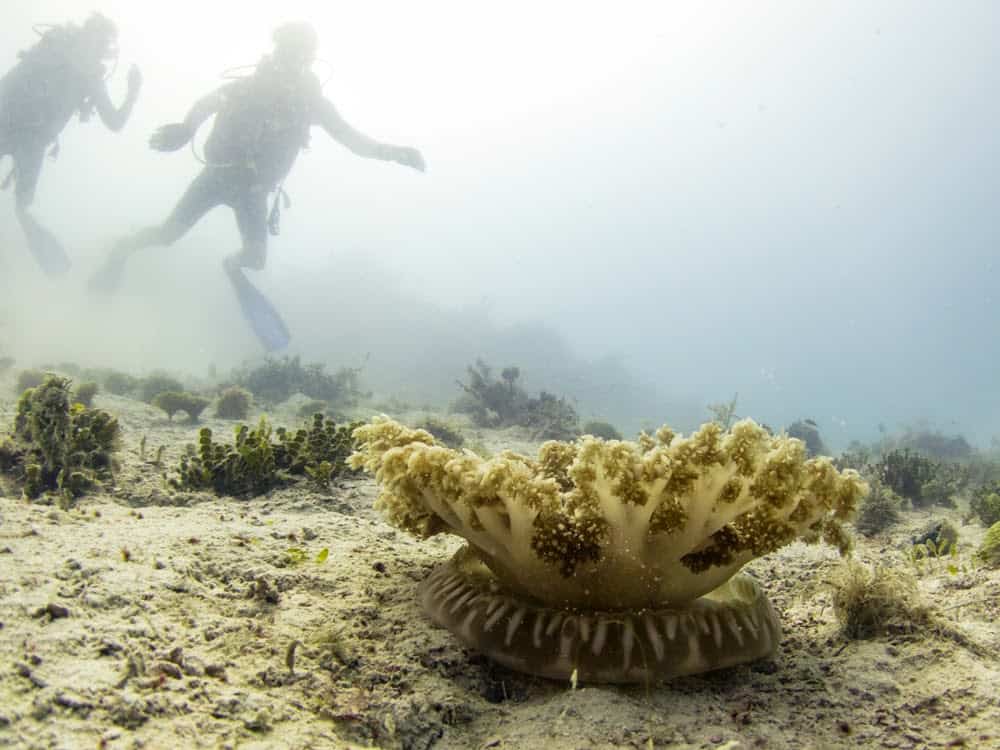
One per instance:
(48,251)
(262,316)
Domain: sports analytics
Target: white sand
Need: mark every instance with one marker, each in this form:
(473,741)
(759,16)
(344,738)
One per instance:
(185,643)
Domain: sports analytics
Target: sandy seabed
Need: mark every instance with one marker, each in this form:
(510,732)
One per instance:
(148,618)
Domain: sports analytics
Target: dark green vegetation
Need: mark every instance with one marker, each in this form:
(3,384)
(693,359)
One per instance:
(121,383)
(85,392)
(276,380)
(504,403)
(923,469)
(906,472)
(807,431)
(70,369)
(104,379)
(939,536)
(118,383)
(985,503)
(603,430)
(313,406)
(234,403)
(58,445)
(879,510)
(262,458)
(920,480)
(153,385)
(172,402)
(989,551)
(29,379)
(933,444)
(444,433)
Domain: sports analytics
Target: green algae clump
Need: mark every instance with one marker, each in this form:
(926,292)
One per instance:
(989,550)
(879,510)
(985,503)
(870,602)
(172,402)
(58,445)
(262,458)
(234,403)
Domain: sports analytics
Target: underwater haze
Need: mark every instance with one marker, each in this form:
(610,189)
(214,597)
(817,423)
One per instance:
(647,206)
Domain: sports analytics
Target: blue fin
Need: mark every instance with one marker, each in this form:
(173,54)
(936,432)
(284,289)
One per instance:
(262,316)
(48,251)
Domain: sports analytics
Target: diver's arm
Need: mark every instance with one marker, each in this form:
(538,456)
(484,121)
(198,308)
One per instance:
(115,119)
(175,135)
(358,143)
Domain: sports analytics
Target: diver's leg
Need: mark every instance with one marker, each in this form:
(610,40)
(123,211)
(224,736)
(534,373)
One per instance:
(27,169)
(250,208)
(202,195)
(43,244)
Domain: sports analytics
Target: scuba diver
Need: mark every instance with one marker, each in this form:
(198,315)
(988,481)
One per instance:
(262,121)
(62,74)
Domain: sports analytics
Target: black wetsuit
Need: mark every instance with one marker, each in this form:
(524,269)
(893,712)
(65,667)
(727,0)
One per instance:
(261,125)
(38,96)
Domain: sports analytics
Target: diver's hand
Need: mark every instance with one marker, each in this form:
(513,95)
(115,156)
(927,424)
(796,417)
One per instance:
(408,157)
(170,137)
(134,79)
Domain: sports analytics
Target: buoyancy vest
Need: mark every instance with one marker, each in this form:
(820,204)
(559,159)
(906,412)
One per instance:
(263,123)
(50,82)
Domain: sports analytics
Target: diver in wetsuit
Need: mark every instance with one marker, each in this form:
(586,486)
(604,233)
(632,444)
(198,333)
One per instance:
(62,74)
(262,121)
